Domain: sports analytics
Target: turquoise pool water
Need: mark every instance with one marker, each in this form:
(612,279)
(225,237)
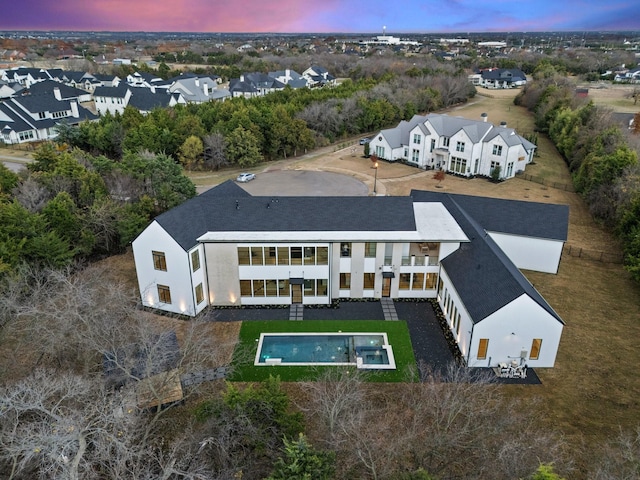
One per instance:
(366,350)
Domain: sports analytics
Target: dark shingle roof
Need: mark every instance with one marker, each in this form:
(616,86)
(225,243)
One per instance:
(483,275)
(146,100)
(230,210)
(48,86)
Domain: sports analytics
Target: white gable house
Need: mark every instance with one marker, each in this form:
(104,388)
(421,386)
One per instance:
(455,144)
(228,248)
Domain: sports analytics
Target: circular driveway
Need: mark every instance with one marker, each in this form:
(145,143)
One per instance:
(305,183)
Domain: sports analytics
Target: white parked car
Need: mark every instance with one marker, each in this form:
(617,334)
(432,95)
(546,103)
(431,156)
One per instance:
(245,177)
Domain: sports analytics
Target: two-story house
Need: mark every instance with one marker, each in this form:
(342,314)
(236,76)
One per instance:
(228,248)
(455,144)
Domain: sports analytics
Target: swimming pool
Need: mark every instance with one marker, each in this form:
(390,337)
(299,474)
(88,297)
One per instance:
(364,350)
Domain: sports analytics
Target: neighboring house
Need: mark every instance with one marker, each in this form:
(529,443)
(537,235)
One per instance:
(9,89)
(143,79)
(196,89)
(82,80)
(25,76)
(290,78)
(318,77)
(502,78)
(33,118)
(116,99)
(60,91)
(111,99)
(628,76)
(455,144)
(228,248)
(254,85)
(107,80)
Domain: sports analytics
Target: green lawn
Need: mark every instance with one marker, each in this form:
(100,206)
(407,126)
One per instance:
(245,352)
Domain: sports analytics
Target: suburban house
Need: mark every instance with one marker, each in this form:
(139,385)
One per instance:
(495,78)
(196,89)
(318,77)
(60,91)
(289,77)
(31,118)
(226,247)
(455,144)
(253,85)
(628,76)
(116,99)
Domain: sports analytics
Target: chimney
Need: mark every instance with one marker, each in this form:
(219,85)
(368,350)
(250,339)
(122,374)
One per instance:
(206,88)
(197,80)
(503,124)
(57,94)
(484,117)
(74,109)
(153,89)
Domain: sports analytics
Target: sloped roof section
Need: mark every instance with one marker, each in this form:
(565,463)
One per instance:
(228,210)
(483,275)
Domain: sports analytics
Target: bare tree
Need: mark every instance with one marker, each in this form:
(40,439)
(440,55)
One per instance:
(214,151)
(32,195)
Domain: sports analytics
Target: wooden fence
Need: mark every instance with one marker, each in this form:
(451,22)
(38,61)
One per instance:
(594,255)
(557,185)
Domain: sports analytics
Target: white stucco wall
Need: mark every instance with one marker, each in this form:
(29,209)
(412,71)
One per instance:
(177,276)
(222,273)
(538,254)
(511,331)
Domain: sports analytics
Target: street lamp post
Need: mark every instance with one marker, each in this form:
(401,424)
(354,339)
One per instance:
(375,177)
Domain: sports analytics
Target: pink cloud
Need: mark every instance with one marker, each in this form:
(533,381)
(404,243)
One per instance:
(192,15)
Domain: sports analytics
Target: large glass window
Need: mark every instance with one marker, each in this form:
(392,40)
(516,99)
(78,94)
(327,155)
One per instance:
(283,255)
(345,281)
(164,294)
(321,287)
(245,288)
(199,294)
(296,255)
(195,260)
(243,256)
(322,256)
(432,278)
(418,281)
(370,249)
(483,346)
(369,281)
(309,255)
(535,349)
(405,281)
(283,288)
(256,256)
(269,255)
(258,288)
(271,288)
(310,287)
(159,261)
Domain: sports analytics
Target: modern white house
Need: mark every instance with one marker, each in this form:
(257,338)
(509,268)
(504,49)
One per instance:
(228,248)
(455,144)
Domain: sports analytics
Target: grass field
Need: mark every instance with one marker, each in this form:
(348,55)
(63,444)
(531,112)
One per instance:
(245,352)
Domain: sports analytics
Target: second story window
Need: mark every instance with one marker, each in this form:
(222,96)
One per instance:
(497,150)
(460,147)
(416,138)
(345,249)
(445,141)
(159,261)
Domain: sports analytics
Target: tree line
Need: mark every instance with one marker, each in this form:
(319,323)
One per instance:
(601,155)
(69,205)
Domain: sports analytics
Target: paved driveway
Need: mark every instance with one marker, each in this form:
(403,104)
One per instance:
(304,183)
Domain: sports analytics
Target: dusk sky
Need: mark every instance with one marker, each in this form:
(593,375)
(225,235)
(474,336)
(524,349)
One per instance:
(342,16)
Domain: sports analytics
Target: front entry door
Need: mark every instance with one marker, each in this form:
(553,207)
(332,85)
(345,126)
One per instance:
(386,287)
(296,293)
